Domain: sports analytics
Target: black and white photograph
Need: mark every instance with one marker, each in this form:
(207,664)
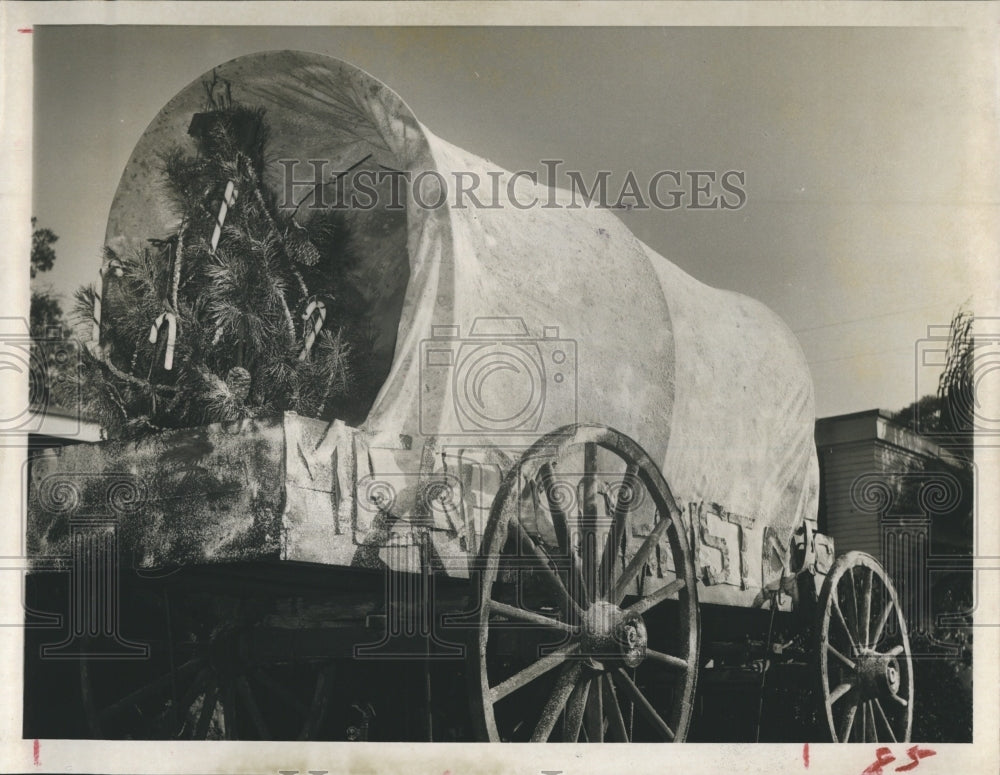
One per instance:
(416,380)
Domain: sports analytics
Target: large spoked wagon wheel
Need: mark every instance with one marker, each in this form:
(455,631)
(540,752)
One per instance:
(588,615)
(208,678)
(865,663)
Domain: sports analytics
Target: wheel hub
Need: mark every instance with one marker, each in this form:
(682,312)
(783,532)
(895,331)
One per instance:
(611,634)
(892,676)
(878,674)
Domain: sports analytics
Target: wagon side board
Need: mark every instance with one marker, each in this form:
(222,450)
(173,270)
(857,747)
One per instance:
(299,490)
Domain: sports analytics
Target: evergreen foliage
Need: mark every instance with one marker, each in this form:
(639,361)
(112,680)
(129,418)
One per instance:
(242,309)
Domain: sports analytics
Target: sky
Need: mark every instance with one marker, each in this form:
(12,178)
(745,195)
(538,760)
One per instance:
(869,154)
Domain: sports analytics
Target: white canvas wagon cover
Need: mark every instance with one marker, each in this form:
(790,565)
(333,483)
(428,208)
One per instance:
(503,323)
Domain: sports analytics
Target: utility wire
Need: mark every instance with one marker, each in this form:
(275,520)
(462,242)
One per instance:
(872,317)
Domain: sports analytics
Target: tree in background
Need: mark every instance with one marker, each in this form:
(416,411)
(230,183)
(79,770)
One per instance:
(956,387)
(242,311)
(46,312)
(52,374)
(43,255)
(949,415)
(944,712)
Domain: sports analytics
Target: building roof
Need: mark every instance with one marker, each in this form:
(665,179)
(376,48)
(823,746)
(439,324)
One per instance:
(879,425)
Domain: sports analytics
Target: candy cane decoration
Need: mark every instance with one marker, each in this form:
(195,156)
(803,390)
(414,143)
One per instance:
(228,200)
(171,321)
(316,314)
(177,248)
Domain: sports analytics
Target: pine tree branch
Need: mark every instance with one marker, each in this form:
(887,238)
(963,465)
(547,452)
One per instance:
(238,305)
(138,381)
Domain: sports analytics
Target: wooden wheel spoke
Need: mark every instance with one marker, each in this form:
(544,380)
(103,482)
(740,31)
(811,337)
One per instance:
(871,716)
(854,604)
(590,478)
(895,651)
(849,663)
(533,671)
(882,621)
(578,581)
(839,692)
(206,713)
(866,592)
(557,701)
(626,685)
(654,599)
(148,690)
(594,713)
(852,711)
(843,623)
(667,659)
(623,504)
(208,693)
(524,615)
(640,559)
(320,700)
(560,524)
(616,722)
(198,687)
(574,710)
(588,555)
(228,713)
(545,565)
(885,720)
(588,518)
(246,697)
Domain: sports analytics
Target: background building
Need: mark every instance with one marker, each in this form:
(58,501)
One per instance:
(907,501)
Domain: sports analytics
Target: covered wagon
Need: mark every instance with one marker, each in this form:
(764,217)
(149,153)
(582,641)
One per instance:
(576,454)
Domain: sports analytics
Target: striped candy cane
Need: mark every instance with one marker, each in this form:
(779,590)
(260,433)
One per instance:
(228,200)
(171,321)
(316,315)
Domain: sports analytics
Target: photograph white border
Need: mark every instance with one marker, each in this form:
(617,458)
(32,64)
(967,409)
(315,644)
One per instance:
(18,755)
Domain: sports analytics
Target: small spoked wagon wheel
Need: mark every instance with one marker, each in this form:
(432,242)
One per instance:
(207,678)
(865,663)
(588,615)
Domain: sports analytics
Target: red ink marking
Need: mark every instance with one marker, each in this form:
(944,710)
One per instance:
(25,30)
(805,755)
(883,756)
(37,750)
(916,754)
